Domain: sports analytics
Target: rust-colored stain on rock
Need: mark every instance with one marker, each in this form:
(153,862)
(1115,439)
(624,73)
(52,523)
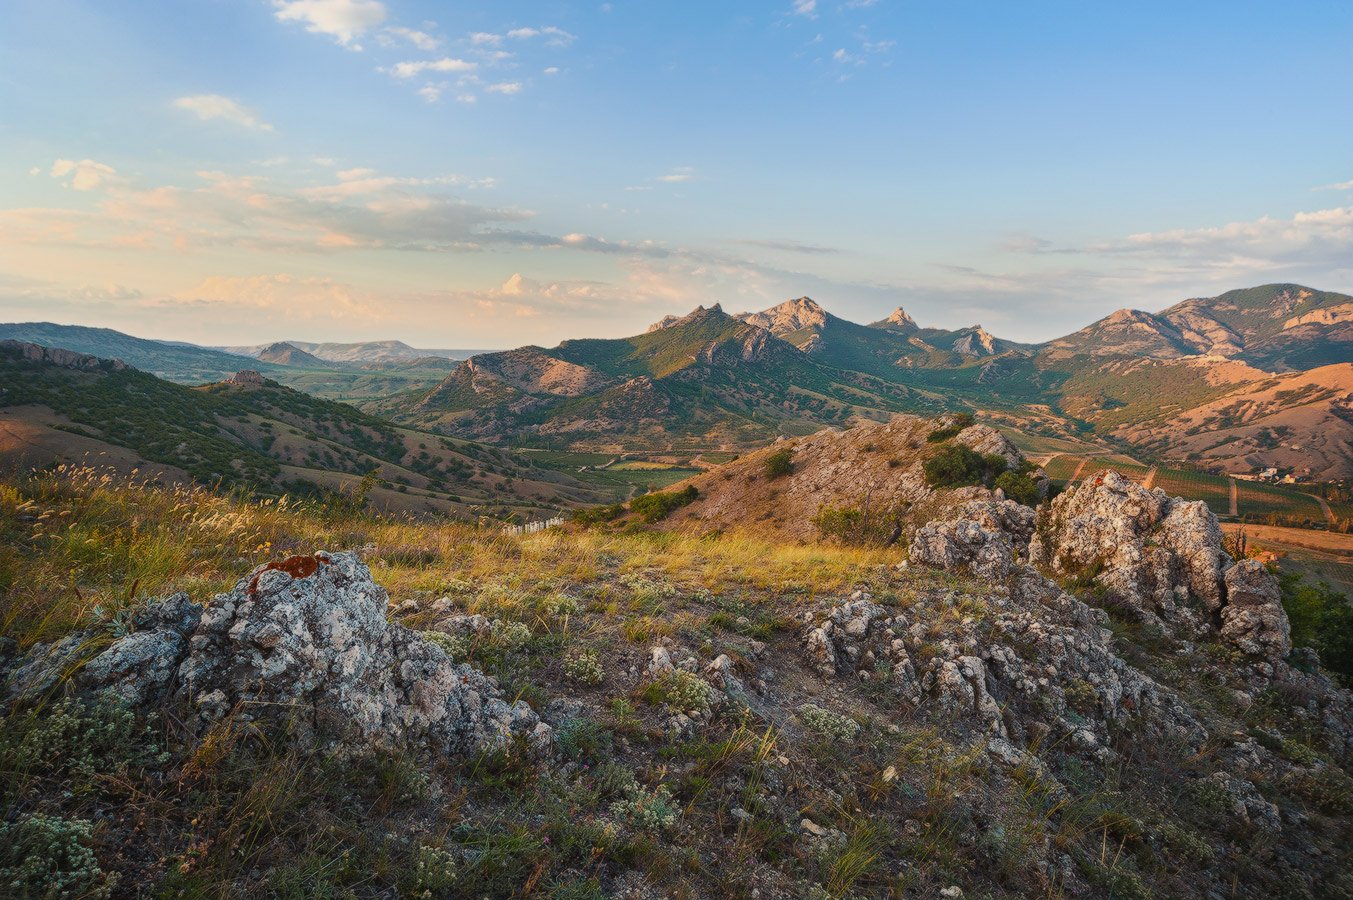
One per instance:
(295,566)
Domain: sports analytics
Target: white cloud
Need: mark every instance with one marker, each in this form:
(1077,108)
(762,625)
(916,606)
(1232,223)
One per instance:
(805,8)
(431,92)
(445,64)
(344,20)
(467,98)
(551,70)
(85,175)
(678,175)
(1341,186)
(214,106)
(555,37)
(366,211)
(504,87)
(420,39)
(293,298)
(485,38)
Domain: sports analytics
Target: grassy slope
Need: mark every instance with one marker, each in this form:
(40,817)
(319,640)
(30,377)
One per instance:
(274,439)
(918,805)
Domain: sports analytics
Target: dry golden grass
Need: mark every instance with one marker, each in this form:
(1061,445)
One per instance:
(78,541)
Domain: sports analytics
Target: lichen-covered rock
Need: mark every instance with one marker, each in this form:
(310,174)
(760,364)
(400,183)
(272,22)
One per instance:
(985,439)
(141,666)
(858,636)
(1253,619)
(306,641)
(986,538)
(303,642)
(1162,557)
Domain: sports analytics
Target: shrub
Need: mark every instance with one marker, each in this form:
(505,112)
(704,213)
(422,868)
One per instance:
(855,525)
(656,506)
(960,422)
(596,515)
(960,466)
(780,463)
(680,691)
(45,856)
(1322,620)
(584,667)
(434,873)
(647,810)
(79,739)
(828,724)
(1019,487)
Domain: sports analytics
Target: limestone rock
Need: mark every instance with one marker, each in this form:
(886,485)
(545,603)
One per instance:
(1253,619)
(1161,557)
(985,539)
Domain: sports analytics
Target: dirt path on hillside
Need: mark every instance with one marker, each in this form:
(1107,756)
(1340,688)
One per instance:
(1325,507)
(1077,474)
(1150,480)
(1235,497)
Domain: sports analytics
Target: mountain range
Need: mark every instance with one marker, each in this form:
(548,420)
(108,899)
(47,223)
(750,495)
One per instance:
(1250,379)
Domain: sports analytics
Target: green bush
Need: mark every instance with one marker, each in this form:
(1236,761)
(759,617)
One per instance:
(1322,620)
(654,507)
(1019,487)
(597,515)
(856,526)
(960,466)
(780,463)
(939,435)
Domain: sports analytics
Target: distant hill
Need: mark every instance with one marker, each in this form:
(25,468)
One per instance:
(175,361)
(360,352)
(253,433)
(284,354)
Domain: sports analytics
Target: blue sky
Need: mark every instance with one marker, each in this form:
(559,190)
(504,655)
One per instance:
(493,174)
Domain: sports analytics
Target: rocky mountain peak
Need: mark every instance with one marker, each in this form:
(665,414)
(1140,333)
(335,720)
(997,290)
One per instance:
(789,317)
(700,312)
(976,341)
(900,320)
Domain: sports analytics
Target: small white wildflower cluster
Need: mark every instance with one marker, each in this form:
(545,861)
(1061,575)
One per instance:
(434,872)
(559,605)
(584,667)
(508,635)
(828,724)
(46,856)
(684,691)
(457,646)
(646,590)
(651,811)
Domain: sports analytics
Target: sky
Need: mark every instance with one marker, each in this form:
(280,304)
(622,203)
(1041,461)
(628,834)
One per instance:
(493,174)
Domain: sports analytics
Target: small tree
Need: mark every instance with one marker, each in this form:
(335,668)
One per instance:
(780,463)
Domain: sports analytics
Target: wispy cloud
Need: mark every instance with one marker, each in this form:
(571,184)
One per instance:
(504,87)
(208,107)
(1340,186)
(679,175)
(85,175)
(344,20)
(804,8)
(391,36)
(445,64)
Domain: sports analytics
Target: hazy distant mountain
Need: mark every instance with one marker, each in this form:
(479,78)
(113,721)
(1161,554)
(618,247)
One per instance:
(175,361)
(284,354)
(360,352)
(1276,327)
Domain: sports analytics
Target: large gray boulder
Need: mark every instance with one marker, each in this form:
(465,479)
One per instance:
(1161,556)
(985,538)
(1253,620)
(304,643)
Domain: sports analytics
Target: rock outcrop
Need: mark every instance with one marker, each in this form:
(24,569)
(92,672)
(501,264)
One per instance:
(1161,557)
(1253,620)
(302,642)
(987,538)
